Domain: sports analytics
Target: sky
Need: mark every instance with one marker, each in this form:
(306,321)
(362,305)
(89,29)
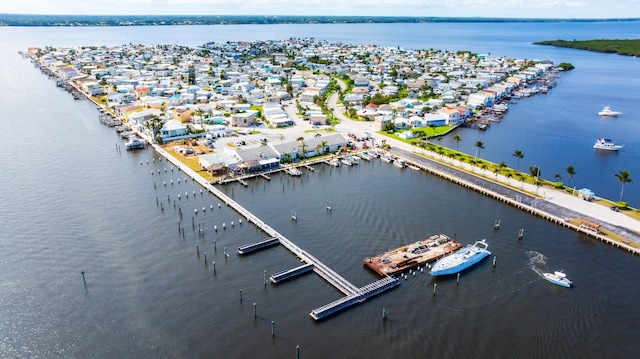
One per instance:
(569,9)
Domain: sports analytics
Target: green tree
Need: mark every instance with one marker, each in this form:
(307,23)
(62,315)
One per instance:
(457,138)
(571,172)
(478,145)
(623,177)
(519,155)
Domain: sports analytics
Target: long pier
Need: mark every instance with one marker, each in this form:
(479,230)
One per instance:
(353,294)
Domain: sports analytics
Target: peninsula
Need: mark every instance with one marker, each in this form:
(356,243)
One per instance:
(620,47)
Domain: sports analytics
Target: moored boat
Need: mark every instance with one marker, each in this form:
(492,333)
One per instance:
(558,278)
(607,111)
(462,259)
(386,157)
(293,171)
(606,144)
(134,143)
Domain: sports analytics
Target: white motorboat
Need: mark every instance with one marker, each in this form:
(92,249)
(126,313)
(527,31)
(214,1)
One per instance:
(134,143)
(606,144)
(293,171)
(462,259)
(558,278)
(607,111)
(386,157)
(347,161)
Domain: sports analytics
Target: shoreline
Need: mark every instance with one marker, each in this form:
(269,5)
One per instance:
(405,152)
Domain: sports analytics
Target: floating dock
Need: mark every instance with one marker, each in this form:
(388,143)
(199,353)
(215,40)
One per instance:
(412,255)
(256,246)
(285,275)
(360,296)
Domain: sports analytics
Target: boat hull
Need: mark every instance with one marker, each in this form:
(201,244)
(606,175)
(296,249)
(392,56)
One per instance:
(563,282)
(447,270)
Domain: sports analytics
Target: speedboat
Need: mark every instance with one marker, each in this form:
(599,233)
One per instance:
(462,259)
(607,111)
(386,157)
(606,144)
(558,278)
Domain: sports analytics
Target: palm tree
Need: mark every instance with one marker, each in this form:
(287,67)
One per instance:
(281,138)
(324,146)
(509,175)
(623,177)
(479,145)
(496,170)
(570,171)
(457,138)
(519,155)
(534,171)
(303,146)
(557,177)
(483,165)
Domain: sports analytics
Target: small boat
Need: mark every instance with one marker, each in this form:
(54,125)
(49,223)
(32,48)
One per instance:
(293,171)
(607,111)
(483,126)
(386,157)
(606,144)
(347,161)
(134,143)
(558,278)
(461,260)
(400,163)
(334,162)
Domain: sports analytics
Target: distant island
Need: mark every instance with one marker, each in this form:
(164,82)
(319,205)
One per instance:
(620,47)
(159,20)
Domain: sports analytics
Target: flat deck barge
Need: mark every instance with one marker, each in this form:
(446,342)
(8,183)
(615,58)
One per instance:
(412,255)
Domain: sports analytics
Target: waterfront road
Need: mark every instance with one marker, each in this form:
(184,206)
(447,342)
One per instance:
(554,202)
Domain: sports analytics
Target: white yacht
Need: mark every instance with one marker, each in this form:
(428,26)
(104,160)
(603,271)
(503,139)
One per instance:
(607,111)
(462,259)
(606,144)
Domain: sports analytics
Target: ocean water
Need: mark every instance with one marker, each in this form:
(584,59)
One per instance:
(72,202)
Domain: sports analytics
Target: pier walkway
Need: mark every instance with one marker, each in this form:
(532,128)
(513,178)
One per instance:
(353,294)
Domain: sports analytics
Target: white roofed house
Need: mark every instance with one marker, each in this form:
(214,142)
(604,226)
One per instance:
(172,129)
(244,119)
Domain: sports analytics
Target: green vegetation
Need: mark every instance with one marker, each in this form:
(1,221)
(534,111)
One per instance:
(161,20)
(566,66)
(620,47)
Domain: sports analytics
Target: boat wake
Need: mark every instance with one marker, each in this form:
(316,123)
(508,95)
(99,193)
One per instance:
(537,262)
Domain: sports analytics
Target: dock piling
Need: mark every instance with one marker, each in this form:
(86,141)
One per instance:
(240,293)
(197,249)
(273,331)
(384,313)
(254,310)
(434,288)
(494,261)
(83,279)
(214,272)
(520,233)
(458,278)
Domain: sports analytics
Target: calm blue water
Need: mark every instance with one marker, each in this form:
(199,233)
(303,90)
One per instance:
(72,202)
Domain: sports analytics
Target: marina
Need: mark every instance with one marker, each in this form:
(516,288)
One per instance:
(154,297)
(412,255)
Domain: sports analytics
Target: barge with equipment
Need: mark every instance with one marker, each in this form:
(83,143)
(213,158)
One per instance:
(412,255)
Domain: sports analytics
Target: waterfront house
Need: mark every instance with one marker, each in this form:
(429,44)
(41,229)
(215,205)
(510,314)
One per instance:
(172,129)
(244,119)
